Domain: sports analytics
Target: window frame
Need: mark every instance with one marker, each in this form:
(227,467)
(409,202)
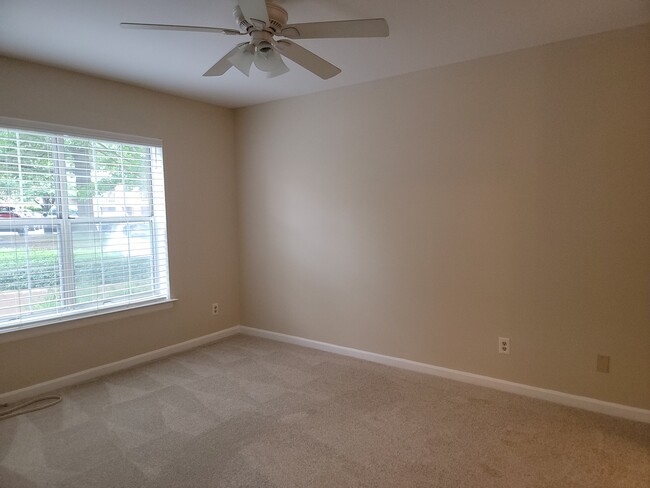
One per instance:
(77,316)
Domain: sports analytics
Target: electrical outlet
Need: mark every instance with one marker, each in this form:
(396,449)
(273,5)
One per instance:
(602,363)
(215,309)
(504,345)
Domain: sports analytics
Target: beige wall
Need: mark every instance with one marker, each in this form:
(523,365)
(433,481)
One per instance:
(424,216)
(421,216)
(200,181)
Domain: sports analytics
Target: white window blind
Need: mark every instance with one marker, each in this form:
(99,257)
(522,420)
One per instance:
(82,226)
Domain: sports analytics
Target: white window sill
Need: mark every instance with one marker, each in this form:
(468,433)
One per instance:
(24,331)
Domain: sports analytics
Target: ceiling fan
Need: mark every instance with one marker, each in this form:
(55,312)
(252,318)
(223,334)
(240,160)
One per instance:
(263,21)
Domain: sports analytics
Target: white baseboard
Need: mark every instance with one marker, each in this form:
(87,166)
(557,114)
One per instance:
(585,403)
(105,369)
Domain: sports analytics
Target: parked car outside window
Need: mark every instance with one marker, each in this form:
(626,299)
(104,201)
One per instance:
(8,212)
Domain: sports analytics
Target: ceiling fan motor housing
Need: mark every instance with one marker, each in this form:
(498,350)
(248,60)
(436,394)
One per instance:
(278,18)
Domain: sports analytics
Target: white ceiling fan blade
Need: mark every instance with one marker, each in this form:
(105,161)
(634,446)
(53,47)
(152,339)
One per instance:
(306,59)
(224,64)
(242,59)
(337,29)
(254,9)
(173,27)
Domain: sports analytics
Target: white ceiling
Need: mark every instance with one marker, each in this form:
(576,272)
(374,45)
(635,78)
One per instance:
(85,36)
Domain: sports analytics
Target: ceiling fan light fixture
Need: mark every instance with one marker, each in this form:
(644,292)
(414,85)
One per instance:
(271,63)
(264,47)
(264,60)
(279,68)
(243,58)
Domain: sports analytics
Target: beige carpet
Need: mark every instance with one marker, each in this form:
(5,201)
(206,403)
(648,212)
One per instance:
(257,413)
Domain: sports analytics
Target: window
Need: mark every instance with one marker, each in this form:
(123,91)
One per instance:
(82,225)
